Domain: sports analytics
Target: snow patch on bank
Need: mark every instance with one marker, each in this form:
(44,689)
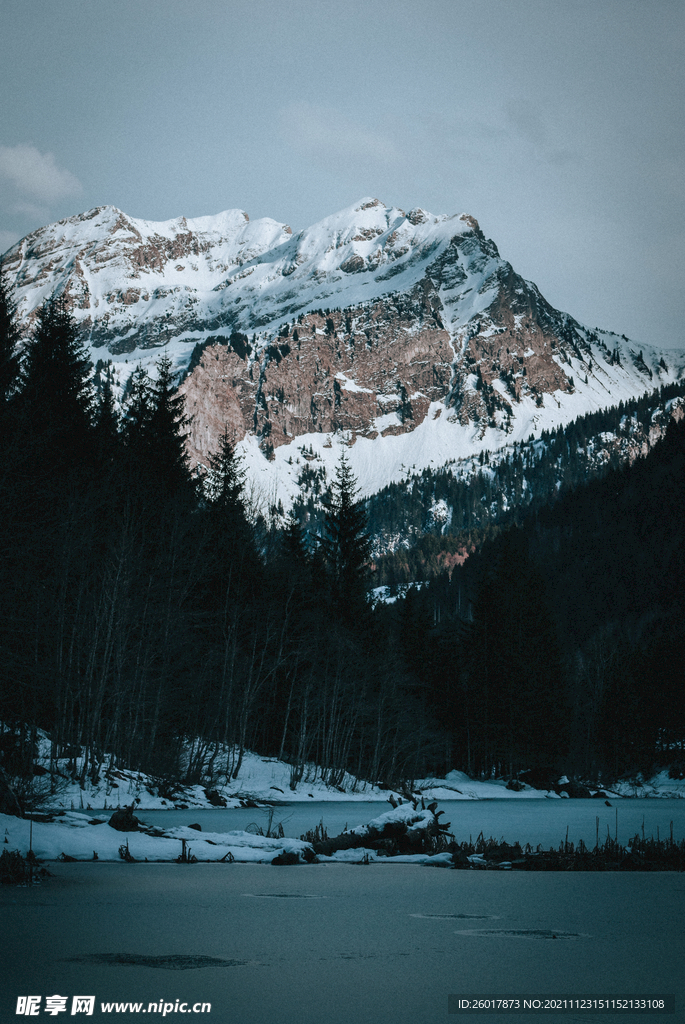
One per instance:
(74,835)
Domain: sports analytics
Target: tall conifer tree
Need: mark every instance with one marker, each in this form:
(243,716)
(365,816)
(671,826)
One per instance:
(107,436)
(294,546)
(232,532)
(56,398)
(166,431)
(154,430)
(136,421)
(346,543)
(225,482)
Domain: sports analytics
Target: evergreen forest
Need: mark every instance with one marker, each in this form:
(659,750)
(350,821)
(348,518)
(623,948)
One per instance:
(151,615)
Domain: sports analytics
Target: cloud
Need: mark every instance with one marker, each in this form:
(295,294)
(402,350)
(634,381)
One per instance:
(325,132)
(36,174)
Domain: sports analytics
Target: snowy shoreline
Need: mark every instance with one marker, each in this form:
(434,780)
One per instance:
(77,825)
(410,833)
(66,834)
(267,781)
(74,836)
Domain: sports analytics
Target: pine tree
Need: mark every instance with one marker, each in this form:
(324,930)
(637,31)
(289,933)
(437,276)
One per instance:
(230,530)
(225,481)
(138,408)
(9,339)
(294,546)
(153,430)
(166,433)
(346,543)
(56,393)
(514,664)
(106,433)
(225,602)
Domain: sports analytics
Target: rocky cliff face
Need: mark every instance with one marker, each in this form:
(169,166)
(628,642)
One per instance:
(368,371)
(371,325)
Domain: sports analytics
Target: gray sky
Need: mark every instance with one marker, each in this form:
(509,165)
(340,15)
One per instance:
(558,124)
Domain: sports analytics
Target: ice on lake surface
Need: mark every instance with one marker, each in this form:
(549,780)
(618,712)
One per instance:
(524,821)
(386,945)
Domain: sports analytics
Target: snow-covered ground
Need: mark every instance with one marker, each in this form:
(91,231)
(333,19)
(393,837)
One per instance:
(261,780)
(77,835)
(458,786)
(265,780)
(87,837)
(660,785)
(81,837)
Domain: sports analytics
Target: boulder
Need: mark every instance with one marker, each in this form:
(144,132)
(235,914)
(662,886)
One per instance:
(124,820)
(286,858)
(215,798)
(575,790)
(540,778)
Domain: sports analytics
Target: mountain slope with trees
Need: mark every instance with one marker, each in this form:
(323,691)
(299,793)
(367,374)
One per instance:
(145,611)
(559,643)
(150,615)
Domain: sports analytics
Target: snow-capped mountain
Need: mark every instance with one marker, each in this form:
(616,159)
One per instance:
(404,336)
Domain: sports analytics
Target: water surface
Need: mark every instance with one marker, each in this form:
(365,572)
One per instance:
(340,944)
(525,821)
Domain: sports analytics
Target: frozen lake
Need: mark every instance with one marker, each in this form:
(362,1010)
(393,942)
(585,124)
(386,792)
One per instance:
(526,821)
(339,944)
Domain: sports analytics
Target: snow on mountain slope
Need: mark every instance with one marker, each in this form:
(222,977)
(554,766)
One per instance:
(137,284)
(403,336)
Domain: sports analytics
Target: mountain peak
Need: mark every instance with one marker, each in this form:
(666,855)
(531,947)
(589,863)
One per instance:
(406,334)
(368,203)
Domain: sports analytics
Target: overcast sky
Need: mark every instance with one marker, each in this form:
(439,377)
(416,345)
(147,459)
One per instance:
(558,124)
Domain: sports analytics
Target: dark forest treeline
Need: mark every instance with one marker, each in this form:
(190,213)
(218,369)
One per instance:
(146,614)
(562,641)
(142,610)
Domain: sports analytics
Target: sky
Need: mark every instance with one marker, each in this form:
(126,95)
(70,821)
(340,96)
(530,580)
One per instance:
(558,125)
